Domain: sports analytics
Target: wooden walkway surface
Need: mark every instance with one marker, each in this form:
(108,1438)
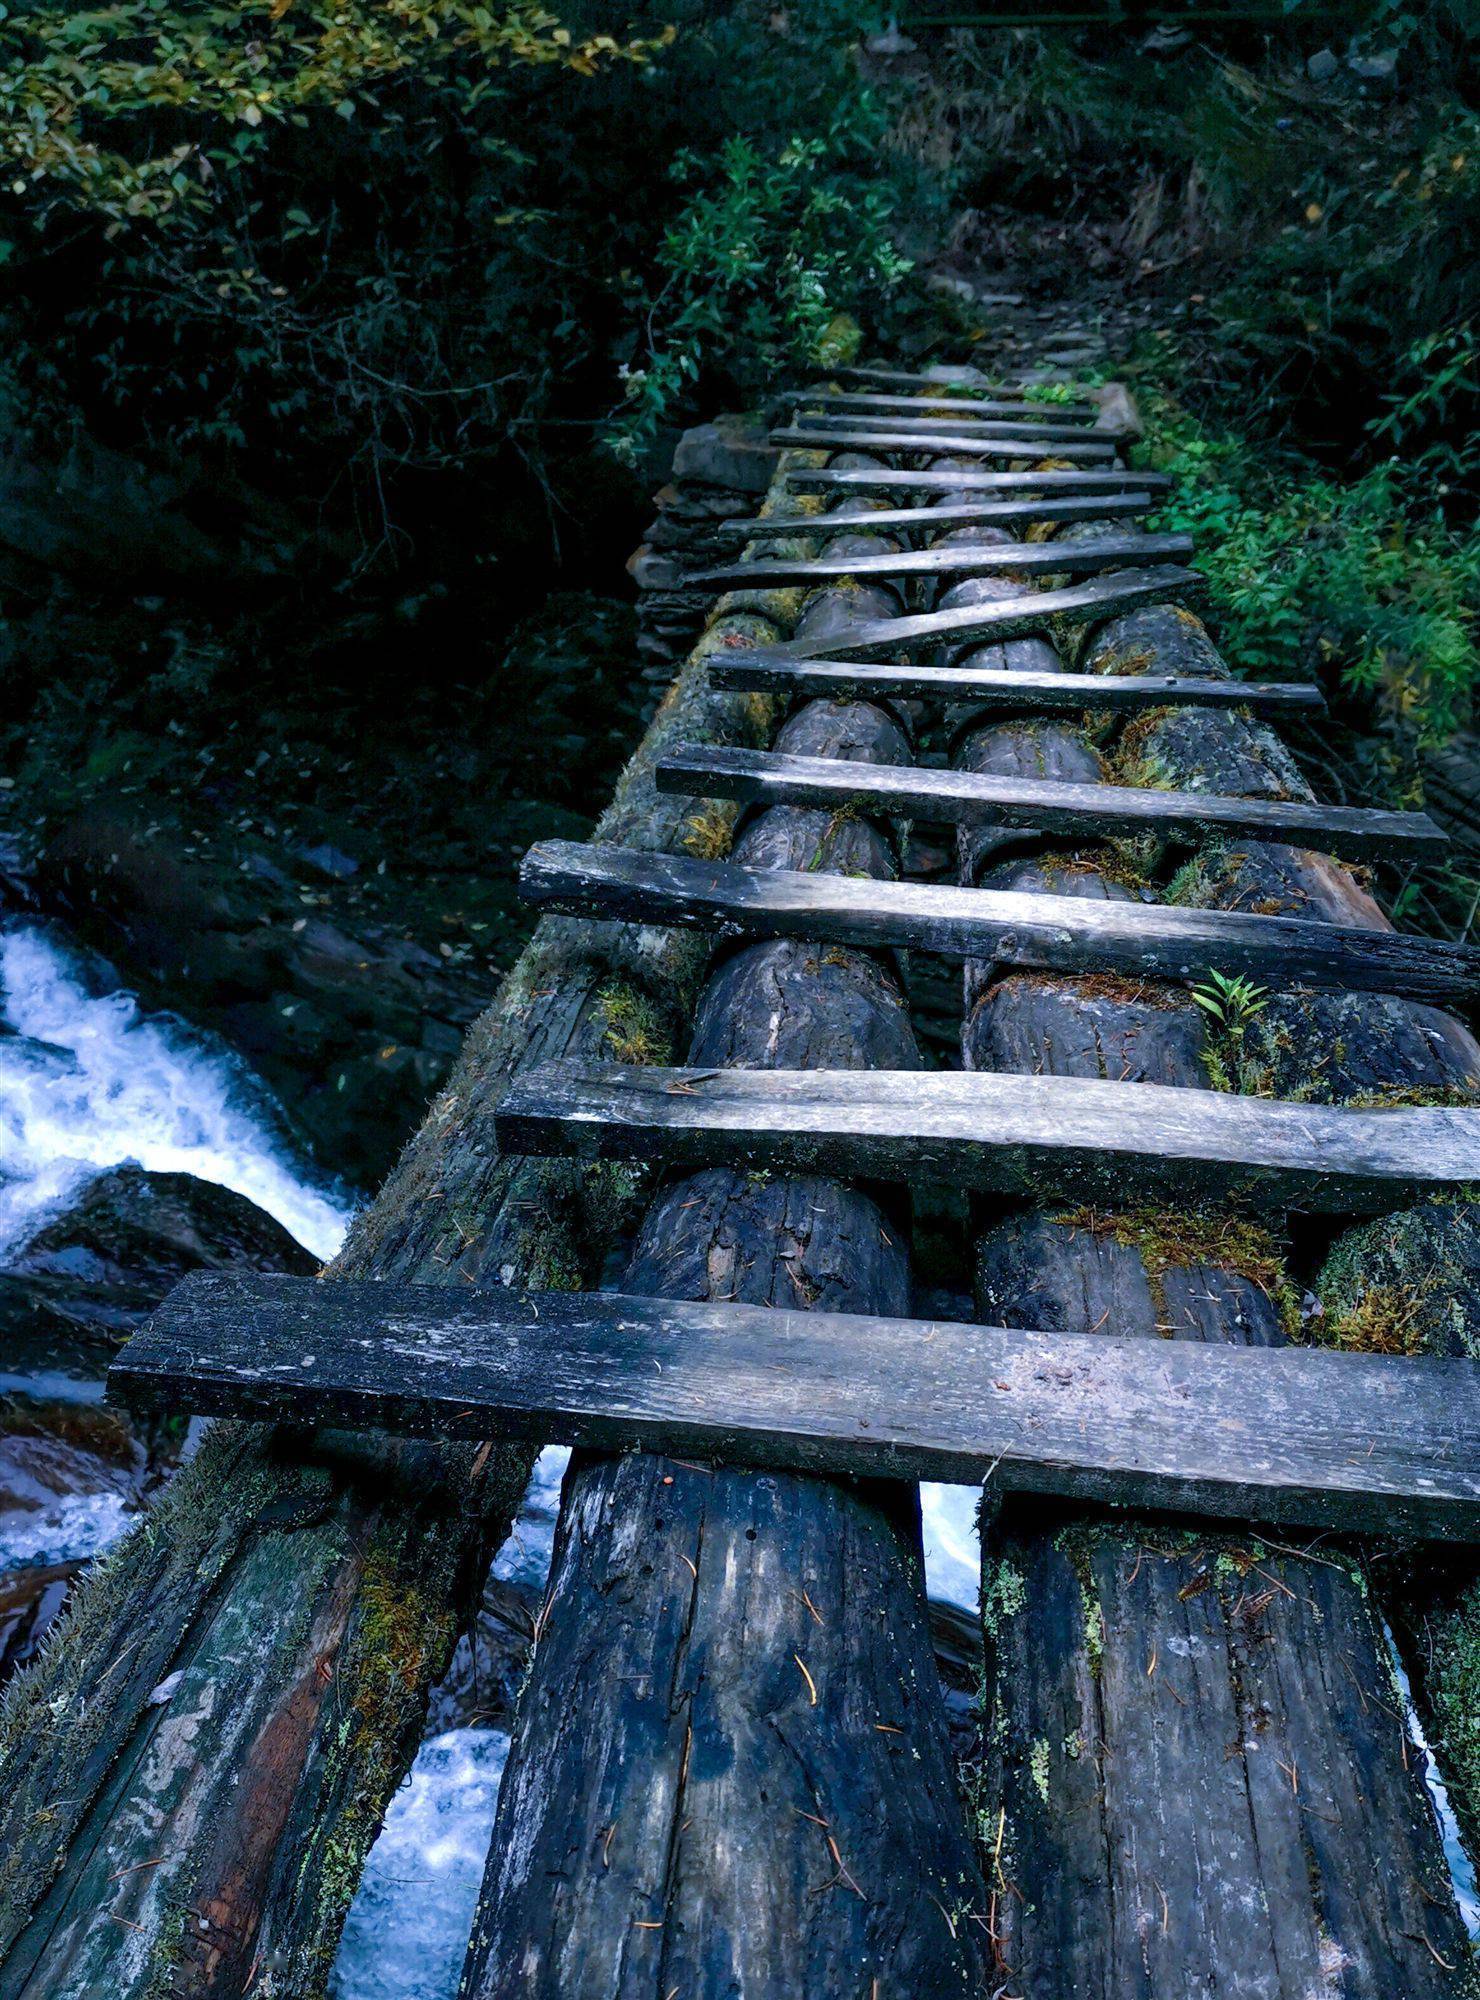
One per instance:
(731,1771)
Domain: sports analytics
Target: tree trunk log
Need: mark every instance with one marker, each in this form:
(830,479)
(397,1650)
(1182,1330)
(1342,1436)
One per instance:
(192,1773)
(1197,1780)
(731,1770)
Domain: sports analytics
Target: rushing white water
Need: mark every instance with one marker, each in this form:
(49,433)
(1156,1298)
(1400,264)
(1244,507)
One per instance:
(74,1527)
(408,1928)
(1461,1868)
(89,1082)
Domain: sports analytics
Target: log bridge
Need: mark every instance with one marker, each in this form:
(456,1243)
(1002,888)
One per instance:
(731,1773)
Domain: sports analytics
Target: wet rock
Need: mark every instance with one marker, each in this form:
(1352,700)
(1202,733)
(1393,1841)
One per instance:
(89,1278)
(71,1481)
(73,1474)
(29,1600)
(732,451)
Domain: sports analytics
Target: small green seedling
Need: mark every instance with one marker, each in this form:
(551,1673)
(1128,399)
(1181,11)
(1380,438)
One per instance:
(1230,1003)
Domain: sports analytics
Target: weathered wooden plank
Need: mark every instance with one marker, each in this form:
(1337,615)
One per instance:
(979,514)
(1011,928)
(854,680)
(966,381)
(953,443)
(936,565)
(1293,1435)
(1039,1135)
(944,479)
(976,798)
(951,406)
(965,423)
(1004,618)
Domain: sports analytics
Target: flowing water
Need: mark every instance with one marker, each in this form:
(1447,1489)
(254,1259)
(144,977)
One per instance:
(89,1081)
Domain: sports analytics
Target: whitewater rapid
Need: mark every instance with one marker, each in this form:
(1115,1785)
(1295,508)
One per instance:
(88,1081)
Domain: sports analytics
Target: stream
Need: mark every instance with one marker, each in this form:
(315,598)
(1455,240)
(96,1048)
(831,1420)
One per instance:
(89,1081)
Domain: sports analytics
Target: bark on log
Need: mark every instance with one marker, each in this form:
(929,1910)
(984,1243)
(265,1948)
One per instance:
(1198,1781)
(192,1773)
(1406,1283)
(753,1789)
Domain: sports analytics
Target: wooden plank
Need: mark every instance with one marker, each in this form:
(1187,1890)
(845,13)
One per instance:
(1019,408)
(1051,1137)
(968,383)
(1010,927)
(1291,1434)
(863,680)
(955,443)
(1034,430)
(944,479)
(1002,617)
(980,514)
(978,798)
(1030,559)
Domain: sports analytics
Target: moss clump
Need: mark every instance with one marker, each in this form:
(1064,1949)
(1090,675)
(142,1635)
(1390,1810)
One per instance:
(1126,660)
(1004,1593)
(733,629)
(710,834)
(1137,760)
(636,1031)
(1217,1239)
(782,606)
(1392,1096)
(1405,1284)
(1038,1767)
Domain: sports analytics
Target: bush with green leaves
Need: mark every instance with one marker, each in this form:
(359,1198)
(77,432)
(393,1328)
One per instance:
(755,265)
(353,240)
(1363,583)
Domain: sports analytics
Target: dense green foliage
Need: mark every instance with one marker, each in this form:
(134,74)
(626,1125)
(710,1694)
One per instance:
(377,236)
(1327,218)
(1355,582)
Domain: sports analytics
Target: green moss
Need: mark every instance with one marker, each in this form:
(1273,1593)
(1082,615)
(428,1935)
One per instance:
(1394,1096)
(1405,1284)
(1184,1239)
(1137,761)
(1038,1767)
(636,1031)
(782,606)
(1004,1592)
(710,834)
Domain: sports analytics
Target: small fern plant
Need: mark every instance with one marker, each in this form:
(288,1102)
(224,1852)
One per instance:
(1230,1005)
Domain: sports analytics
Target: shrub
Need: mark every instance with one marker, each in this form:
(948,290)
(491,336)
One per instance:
(1311,577)
(380,237)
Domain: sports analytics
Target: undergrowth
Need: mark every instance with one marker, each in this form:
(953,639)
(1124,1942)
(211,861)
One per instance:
(1359,584)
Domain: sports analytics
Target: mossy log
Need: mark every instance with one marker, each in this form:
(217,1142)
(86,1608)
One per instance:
(191,1774)
(731,1769)
(1197,1779)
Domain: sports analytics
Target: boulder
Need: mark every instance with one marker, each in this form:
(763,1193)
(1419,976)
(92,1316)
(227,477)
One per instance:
(88,1279)
(732,451)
